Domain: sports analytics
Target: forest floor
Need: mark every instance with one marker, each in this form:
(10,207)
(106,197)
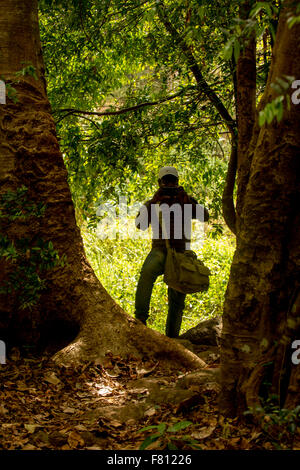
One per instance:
(106,407)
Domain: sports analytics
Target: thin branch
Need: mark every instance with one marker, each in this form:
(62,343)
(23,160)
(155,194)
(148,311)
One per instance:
(195,69)
(73,111)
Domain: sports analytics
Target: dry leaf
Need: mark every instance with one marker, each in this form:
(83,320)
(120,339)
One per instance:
(51,378)
(69,410)
(255,435)
(115,424)
(204,432)
(66,447)
(29,447)
(75,440)
(31,427)
(150,412)
(143,372)
(3,410)
(80,427)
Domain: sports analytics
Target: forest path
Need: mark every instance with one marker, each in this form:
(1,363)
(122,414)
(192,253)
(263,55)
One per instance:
(104,407)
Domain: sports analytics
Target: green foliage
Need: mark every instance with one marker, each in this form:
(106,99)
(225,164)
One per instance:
(272,110)
(29,258)
(294,19)
(116,55)
(28,69)
(260,19)
(165,437)
(276,107)
(17,205)
(117,263)
(278,423)
(269,8)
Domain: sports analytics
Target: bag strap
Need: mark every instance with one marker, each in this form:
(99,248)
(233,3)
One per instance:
(162,225)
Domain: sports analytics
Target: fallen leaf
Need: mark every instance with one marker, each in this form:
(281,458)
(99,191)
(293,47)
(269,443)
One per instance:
(115,424)
(115,372)
(255,435)
(22,386)
(69,410)
(204,432)
(66,447)
(143,372)
(107,364)
(75,440)
(31,427)
(15,354)
(244,444)
(3,410)
(150,412)
(80,427)
(52,378)
(29,447)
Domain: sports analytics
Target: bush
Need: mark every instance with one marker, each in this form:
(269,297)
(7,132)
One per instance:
(117,263)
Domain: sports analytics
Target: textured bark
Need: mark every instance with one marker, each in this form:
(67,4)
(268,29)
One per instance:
(74,303)
(264,275)
(245,104)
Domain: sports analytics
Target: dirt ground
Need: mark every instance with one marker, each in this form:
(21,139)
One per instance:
(107,407)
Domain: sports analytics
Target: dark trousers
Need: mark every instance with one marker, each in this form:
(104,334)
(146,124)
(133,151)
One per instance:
(152,268)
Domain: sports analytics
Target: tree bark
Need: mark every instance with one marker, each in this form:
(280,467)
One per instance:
(245,104)
(75,303)
(257,332)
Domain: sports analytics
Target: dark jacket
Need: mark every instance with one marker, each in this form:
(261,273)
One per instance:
(178,208)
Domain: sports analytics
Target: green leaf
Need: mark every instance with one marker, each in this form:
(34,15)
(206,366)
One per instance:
(279,114)
(147,428)
(179,426)
(261,118)
(269,113)
(237,49)
(172,446)
(228,49)
(161,427)
(149,440)
(284,85)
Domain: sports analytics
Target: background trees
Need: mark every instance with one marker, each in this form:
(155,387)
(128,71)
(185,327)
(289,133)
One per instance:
(204,86)
(38,222)
(206,67)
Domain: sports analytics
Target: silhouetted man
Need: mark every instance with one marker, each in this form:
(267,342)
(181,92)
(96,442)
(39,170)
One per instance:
(177,210)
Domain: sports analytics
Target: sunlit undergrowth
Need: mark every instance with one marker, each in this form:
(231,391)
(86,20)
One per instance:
(117,263)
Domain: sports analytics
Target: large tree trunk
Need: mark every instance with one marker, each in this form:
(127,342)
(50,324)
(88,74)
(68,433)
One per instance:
(262,296)
(75,305)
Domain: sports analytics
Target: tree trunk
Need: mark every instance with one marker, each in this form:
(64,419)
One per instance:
(262,301)
(74,306)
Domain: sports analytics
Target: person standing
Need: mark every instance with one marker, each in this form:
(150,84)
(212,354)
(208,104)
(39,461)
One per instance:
(177,209)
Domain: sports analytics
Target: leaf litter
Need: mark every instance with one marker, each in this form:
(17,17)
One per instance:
(103,407)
